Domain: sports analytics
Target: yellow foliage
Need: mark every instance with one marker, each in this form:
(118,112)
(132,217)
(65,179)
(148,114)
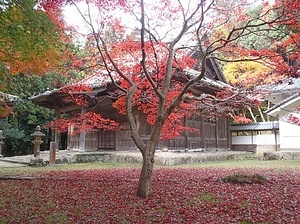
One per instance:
(247,73)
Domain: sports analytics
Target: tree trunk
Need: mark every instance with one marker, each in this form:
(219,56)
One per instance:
(252,115)
(261,115)
(144,187)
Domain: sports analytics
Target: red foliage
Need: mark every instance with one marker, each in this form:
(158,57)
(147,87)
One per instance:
(179,196)
(4,110)
(145,99)
(287,58)
(77,94)
(53,9)
(241,119)
(283,55)
(82,123)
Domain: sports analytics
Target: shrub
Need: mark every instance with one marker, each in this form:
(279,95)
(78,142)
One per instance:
(245,179)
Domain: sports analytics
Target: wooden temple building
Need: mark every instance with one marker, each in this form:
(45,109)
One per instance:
(213,134)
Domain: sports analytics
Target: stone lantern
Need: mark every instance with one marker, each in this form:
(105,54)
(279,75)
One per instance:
(37,141)
(1,142)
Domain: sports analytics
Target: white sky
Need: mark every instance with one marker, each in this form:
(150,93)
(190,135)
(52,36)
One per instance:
(73,17)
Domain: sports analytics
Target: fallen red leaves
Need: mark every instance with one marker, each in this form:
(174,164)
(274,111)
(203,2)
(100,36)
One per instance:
(179,196)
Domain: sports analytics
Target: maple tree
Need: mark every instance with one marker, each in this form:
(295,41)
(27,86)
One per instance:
(30,40)
(33,41)
(23,41)
(246,74)
(144,68)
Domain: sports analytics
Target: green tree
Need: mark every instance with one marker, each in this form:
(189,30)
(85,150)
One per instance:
(18,126)
(29,40)
(262,37)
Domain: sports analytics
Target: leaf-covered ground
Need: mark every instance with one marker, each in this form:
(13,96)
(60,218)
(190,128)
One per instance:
(186,195)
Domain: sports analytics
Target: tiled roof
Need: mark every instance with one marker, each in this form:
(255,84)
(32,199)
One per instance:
(101,79)
(259,126)
(207,81)
(286,85)
(5,97)
(290,98)
(94,81)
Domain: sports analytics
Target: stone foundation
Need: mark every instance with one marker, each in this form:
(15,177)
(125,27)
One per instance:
(281,155)
(169,158)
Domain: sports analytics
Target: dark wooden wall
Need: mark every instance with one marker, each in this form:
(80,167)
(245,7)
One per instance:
(212,135)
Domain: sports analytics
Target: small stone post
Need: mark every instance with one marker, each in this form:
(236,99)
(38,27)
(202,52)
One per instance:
(1,142)
(37,141)
(52,153)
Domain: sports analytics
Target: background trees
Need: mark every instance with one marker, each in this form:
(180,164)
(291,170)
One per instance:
(34,48)
(25,116)
(30,40)
(280,41)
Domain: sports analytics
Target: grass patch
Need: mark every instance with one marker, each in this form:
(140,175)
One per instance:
(208,197)
(257,164)
(64,167)
(277,164)
(245,179)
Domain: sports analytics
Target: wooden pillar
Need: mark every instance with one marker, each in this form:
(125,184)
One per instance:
(56,133)
(52,153)
(186,141)
(216,132)
(202,133)
(82,133)
(228,134)
(229,139)
(69,137)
